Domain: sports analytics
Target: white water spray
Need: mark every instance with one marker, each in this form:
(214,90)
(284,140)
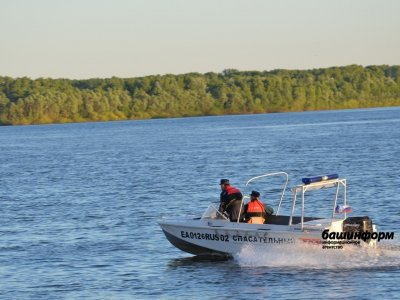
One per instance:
(307,256)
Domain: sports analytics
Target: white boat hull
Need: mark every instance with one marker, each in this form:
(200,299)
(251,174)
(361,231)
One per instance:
(202,237)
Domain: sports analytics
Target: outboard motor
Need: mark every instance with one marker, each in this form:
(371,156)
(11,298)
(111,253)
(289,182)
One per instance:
(358,224)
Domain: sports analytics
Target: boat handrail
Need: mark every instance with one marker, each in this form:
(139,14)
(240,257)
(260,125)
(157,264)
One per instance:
(241,205)
(283,188)
(302,188)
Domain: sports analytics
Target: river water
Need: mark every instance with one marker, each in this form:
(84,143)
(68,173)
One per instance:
(79,205)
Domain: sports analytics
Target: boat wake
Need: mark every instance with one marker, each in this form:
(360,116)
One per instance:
(314,257)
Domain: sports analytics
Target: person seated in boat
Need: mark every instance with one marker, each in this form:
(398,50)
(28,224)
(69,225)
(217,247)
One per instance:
(255,211)
(230,201)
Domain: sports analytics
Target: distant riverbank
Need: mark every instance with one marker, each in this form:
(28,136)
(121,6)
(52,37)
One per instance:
(45,100)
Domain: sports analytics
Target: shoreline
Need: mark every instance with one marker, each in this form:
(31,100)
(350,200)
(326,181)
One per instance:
(198,116)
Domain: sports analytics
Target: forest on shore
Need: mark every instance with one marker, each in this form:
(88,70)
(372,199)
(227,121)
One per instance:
(46,100)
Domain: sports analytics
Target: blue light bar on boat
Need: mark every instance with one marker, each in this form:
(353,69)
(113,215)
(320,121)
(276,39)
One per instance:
(309,180)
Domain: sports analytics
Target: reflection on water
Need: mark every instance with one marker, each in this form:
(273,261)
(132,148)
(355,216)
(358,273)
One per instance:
(199,259)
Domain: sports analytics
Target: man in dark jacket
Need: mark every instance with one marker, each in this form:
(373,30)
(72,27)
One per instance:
(230,200)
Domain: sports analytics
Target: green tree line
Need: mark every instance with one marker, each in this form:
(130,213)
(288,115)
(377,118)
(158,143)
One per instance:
(45,100)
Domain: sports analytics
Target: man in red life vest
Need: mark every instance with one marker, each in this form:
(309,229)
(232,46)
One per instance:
(254,211)
(230,201)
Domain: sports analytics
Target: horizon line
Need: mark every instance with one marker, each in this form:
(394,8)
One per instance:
(200,73)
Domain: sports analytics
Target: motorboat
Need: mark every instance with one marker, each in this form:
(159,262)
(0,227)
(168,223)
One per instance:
(213,233)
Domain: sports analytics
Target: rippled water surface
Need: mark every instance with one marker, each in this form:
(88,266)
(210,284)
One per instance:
(79,205)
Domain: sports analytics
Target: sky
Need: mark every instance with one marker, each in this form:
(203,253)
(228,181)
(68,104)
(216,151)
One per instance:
(81,39)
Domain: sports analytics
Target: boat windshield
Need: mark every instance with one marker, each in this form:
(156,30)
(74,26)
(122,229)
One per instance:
(213,213)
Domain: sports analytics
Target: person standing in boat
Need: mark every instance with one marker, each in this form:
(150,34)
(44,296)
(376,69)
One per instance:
(255,211)
(230,201)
